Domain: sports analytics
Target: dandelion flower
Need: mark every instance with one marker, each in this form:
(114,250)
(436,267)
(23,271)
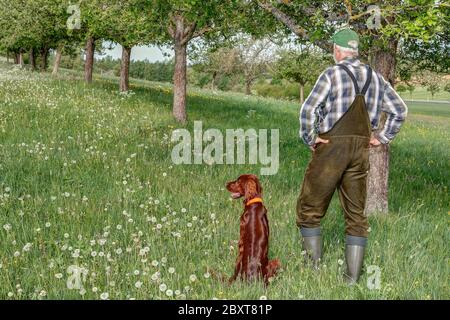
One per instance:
(27,247)
(104,296)
(154,276)
(162,287)
(263,298)
(192,278)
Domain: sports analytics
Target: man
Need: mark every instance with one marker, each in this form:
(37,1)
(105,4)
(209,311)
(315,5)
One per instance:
(337,122)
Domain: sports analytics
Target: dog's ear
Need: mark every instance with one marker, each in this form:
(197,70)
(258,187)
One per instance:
(251,189)
(258,185)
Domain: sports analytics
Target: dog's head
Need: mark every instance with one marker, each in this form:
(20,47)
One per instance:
(247,185)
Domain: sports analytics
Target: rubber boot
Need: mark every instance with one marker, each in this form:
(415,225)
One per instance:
(354,257)
(312,244)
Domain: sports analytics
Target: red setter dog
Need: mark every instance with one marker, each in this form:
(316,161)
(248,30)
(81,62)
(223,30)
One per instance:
(252,262)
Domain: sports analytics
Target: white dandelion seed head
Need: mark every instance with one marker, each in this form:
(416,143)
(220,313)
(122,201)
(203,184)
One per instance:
(162,287)
(104,296)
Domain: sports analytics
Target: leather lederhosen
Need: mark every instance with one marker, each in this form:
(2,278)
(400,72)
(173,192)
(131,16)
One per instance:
(343,163)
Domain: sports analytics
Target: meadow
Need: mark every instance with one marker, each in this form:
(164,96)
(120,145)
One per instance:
(87,185)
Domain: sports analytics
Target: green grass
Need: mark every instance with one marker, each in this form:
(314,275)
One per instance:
(85,168)
(421,93)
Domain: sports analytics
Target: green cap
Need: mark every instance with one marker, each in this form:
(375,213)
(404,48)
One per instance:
(346,38)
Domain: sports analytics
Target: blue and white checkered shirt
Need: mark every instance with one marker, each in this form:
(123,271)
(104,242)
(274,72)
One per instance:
(333,94)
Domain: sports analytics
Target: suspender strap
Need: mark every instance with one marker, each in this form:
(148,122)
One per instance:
(355,83)
(352,76)
(369,79)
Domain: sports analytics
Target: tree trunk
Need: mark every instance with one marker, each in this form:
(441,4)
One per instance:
(302,93)
(125,69)
(57,61)
(32,55)
(213,82)
(16,58)
(89,61)
(21,59)
(377,189)
(248,87)
(179,77)
(44,59)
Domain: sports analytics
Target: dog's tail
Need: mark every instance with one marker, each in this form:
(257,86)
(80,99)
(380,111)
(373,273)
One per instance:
(218,276)
(272,268)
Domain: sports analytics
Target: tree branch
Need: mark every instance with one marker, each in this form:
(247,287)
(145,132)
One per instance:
(291,24)
(284,18)
(202,31)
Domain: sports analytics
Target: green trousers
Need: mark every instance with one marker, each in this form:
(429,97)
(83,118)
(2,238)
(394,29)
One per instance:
(341,164)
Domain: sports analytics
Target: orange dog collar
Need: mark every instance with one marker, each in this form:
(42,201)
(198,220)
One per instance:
(254,200)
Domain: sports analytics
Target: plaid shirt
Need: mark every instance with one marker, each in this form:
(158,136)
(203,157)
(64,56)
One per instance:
(333,94)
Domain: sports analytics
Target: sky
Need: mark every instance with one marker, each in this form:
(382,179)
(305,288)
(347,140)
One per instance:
(138,53)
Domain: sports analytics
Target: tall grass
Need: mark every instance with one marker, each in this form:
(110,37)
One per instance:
(86,180)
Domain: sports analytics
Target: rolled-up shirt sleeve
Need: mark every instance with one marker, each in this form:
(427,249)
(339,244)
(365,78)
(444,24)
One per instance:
(318,95)
(396,111)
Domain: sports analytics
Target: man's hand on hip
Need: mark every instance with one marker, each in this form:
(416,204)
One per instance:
(317,142)
(374,142)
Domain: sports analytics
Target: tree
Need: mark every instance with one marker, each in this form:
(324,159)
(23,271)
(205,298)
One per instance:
(302,67)
(181,21)
(217,62)
(34,26)
(447,87)
(94,25)
(410,87)
(381,28)
(432,81)
(400,88)
(127,23)
(254,56)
